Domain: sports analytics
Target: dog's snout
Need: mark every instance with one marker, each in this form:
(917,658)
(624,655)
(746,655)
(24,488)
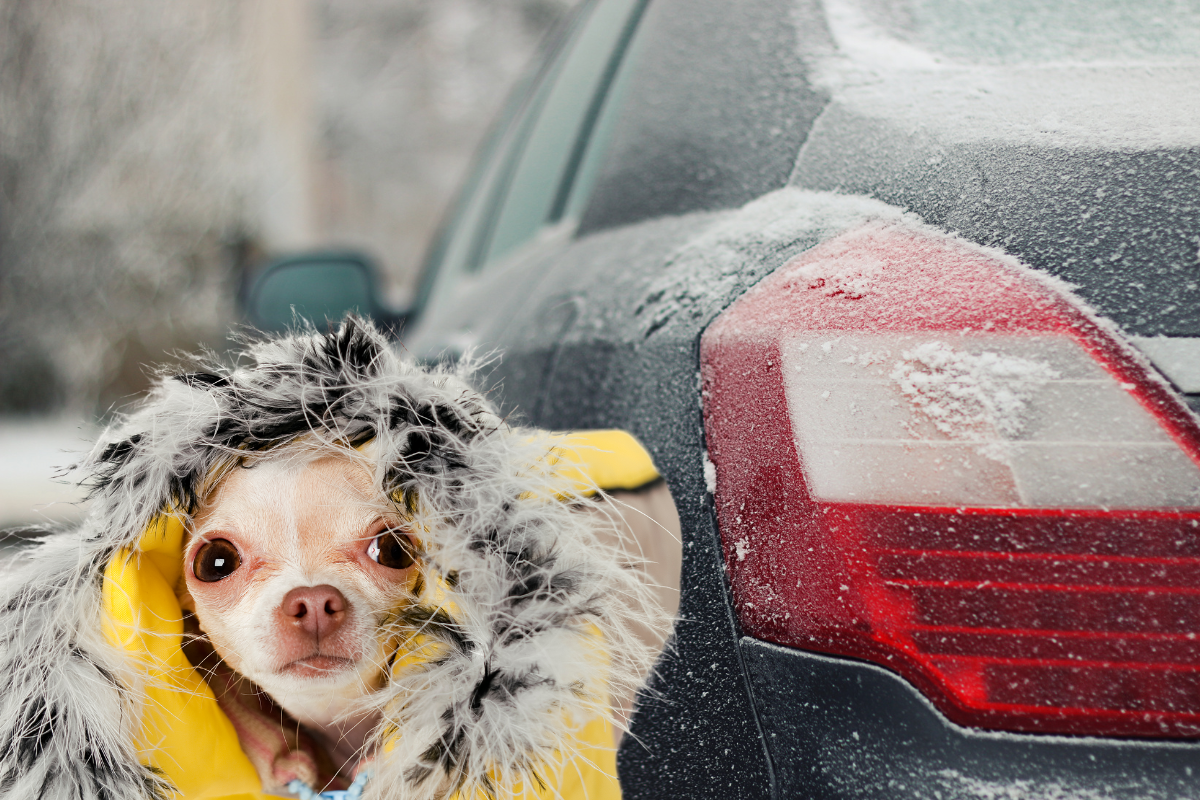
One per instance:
(317,610)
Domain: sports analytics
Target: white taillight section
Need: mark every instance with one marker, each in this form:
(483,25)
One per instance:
(975,420)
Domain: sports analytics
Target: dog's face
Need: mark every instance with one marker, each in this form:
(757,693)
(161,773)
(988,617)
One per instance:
(292,567)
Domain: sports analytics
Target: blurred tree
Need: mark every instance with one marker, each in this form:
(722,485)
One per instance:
(149,149)
(125,164)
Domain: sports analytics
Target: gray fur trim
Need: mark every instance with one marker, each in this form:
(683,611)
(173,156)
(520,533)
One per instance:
(527,615)
(66,719)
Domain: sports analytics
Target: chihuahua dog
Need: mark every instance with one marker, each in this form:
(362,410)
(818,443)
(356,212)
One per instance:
(324,553)
(292,568)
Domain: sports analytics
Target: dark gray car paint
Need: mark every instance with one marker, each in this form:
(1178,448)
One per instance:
(718,107)
(1124,227)
(587,343)
(697,733)
(845,729)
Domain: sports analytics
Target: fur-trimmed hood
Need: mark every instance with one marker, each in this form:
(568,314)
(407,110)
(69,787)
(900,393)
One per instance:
(526,620)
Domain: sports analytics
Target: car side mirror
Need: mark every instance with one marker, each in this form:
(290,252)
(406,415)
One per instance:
(318,287)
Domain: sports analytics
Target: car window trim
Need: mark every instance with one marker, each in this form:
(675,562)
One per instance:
(588,124)
(516,148)
(493,145)
(583,132)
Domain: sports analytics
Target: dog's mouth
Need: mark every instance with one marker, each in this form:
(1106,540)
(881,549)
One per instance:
(317,665)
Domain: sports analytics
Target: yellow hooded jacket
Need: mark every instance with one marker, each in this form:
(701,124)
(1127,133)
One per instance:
(184,732)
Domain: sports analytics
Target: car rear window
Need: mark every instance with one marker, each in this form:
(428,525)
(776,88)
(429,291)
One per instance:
(1038,31)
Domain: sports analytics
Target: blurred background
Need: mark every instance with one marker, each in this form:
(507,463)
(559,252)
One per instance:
(152,153)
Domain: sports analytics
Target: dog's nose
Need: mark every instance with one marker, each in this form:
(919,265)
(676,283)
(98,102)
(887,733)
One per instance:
(317,610)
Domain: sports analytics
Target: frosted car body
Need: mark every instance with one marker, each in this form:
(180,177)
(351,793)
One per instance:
(720,143)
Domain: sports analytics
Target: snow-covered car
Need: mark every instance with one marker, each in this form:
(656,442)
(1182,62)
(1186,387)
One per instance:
(903,298)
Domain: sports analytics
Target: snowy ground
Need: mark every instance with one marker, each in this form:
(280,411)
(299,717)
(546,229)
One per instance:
(32,453)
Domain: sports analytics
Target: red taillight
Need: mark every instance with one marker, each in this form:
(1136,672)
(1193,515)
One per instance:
(932,458)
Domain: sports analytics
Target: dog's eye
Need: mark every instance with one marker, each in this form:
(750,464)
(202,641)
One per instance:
(216,560)
(391,549)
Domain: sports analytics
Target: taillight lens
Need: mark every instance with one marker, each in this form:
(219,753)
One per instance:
(933,458)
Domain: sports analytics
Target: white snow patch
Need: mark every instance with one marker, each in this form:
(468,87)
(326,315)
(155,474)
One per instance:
(709,269)
(865,46)
(848,275)
(1067,106)
(1115,102)
(968,395)
(966,786)
(710,475)
(742,546)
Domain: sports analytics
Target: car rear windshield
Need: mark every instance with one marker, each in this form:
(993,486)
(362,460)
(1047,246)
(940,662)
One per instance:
(1044,31)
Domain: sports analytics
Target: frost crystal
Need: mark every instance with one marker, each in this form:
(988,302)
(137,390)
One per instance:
(843,276)
(710,475)
(967,395)
(742,546)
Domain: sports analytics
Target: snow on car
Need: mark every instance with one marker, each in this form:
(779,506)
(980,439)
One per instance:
(903,298)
